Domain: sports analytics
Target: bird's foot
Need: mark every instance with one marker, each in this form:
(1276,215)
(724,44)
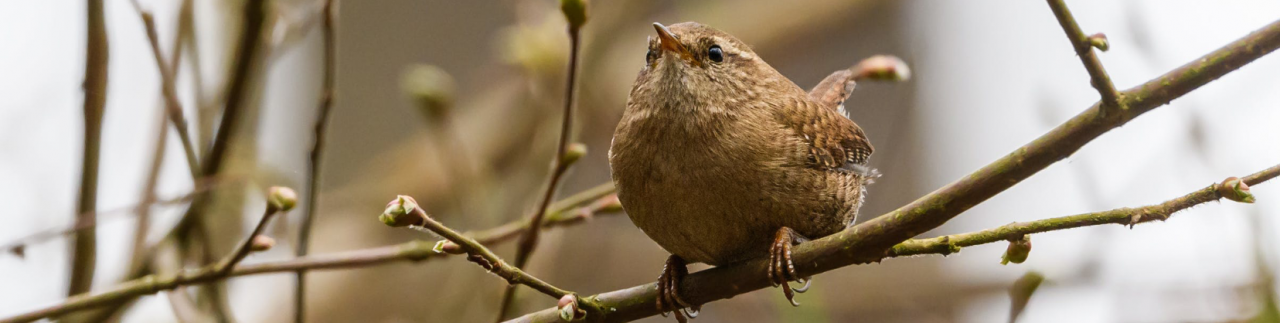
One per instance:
(669,299)
(781,270)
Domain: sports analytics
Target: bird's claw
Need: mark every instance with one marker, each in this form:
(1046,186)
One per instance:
(669,299)
(781,269)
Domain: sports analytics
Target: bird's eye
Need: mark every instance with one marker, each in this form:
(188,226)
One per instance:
(715,53)
(648,57)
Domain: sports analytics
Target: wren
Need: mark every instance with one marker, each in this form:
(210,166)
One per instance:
(719,158)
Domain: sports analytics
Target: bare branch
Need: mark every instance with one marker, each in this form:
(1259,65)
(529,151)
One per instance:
(575,14)
(575,209)
(404,211)
(1083,47)
(83,255)
(153,284)
(317,148)
(168,88)
(1124,216)
(869,240)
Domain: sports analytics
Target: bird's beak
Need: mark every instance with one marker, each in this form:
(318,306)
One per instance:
(669,43)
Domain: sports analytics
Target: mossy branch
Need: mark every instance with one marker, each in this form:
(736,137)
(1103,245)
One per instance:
(1083,46)
(569,211)
(1125,216)
(404,211)
(870,240)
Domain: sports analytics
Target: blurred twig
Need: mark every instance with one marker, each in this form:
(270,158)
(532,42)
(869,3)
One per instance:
(167,97)
(317,148)
(597,201)
(575,14)
(254,12)
(148,195)
(237,97)
(102,216)
(168,87)
(869,240)
(83,255)
(1020,293)
(153,284)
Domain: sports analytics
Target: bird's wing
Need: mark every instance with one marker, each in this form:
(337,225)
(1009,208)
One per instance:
(833,90)
(835,142)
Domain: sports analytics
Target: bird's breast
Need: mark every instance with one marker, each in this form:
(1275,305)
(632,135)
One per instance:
(699,189)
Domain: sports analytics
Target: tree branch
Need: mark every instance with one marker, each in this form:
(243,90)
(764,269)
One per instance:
(575,15)
(317,148)
(1084,49)
(423,250)
(169,90)
(1126,216)
(172,113)
(83,255)
(404,211)
(575,209)
(869,240)
(152,284)
(238,95)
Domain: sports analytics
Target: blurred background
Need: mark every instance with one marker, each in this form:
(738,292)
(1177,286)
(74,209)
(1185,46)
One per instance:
(988,76)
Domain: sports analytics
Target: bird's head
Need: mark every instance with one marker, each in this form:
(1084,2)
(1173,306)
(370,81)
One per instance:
(698,66)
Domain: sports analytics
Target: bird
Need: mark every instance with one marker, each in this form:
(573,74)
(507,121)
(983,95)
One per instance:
(719,158)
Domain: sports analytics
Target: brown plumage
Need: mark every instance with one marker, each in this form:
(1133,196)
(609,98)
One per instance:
(717,153)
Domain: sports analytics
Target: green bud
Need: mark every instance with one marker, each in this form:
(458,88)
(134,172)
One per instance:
(1099,41)
(446,246)
(568,308)
(281,198)
(1018,251)
(431,88)
(575,11)
(401,212)
(261,243)
(609,204)
(1236,190)
(573,153)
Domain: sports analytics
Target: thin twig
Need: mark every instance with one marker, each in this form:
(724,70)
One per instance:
(317,148)
(870,239)
(238,88)
(529,240)
(152,284)
(83,255)
(237,98)
(143,211)
(1124,216)
(141,254)
(168,88)
(242,250)
(148,193)
(1080,42)
(596,201)
(475,251)
(418,250)
(557,209)
(112,214)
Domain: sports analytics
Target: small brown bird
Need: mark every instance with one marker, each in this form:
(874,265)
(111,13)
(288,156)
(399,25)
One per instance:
(720,159)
